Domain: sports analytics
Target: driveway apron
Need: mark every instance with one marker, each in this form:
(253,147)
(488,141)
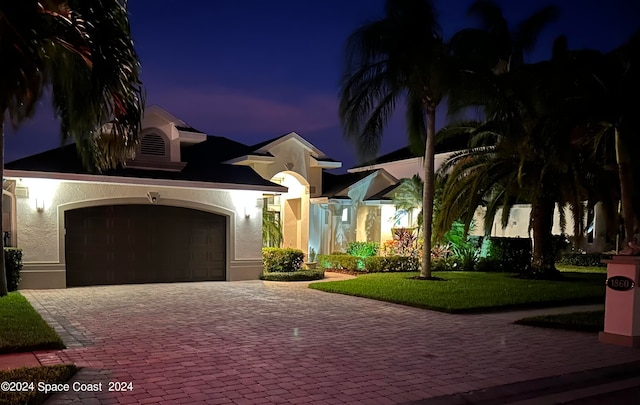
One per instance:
(257,343)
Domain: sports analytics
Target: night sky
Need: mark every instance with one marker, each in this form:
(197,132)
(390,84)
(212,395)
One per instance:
(251,70)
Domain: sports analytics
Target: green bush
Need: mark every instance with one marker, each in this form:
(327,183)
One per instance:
(340,262)
(378,264)
(467,257)
(584,259)
(450,263)
(277,260)
(13,266)
(491,265)
(363,249)
(508,254)
(302,275)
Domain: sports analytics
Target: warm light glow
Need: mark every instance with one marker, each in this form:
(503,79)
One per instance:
(39,204)
(41,192)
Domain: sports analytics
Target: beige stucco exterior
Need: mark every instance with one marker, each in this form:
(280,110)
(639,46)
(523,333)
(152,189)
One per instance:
(40,234)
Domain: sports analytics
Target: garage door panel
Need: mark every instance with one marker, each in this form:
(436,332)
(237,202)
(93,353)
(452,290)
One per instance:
(124,244)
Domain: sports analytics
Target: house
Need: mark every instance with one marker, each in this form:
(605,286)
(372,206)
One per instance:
(187,208)
(175,213)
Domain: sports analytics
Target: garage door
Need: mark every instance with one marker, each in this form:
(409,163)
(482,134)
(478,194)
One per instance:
(124,244)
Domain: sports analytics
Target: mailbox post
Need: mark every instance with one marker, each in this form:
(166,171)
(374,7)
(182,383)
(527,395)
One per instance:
(622,303)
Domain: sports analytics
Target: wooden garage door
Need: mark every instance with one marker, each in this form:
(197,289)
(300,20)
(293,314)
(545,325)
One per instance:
(124,244)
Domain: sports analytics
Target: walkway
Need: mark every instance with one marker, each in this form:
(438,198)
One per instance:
(259,343)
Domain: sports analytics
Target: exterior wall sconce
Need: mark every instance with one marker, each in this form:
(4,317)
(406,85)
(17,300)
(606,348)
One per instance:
(247,213)
(39,204)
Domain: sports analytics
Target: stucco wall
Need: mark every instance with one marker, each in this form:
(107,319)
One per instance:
(40,234)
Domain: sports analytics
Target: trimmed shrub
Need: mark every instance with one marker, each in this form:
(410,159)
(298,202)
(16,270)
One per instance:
(584,259)
(508,254)
(339,261)
(13,266)
(377,264)
(277,260)
(363,249)
(490,265)
(450,263)
(302,275)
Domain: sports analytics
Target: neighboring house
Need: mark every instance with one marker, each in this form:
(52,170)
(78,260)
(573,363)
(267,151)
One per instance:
(403,164)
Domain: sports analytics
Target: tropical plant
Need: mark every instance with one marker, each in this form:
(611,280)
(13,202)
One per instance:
(609,85)
(363,249)
(271,229)
(407,198)
(82,51)
(399,58)
(523,152)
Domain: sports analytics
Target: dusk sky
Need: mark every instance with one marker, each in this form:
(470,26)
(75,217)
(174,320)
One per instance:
(251,70)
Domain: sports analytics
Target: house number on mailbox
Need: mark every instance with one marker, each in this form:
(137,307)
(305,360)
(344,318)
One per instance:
(620,283)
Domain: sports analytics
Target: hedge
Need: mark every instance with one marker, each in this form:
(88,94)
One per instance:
(584,259)
(13,266)
(340,262)
(372,264)
(377,264)
(506,254)
(277,260)
(302,275)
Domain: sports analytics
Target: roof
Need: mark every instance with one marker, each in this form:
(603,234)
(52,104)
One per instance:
(447,145)
(333,184)
(199,166)
(383,194)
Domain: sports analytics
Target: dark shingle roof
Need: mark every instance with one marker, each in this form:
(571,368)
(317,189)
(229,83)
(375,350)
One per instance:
(382,194)
(200,167)
(447,145)
(188,129)
(333,184)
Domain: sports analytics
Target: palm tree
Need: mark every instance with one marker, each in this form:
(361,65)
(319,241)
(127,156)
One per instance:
(271,228)
(495,46)
(523,152)
(408,197)
(83,52)
(399,58)
(611,83)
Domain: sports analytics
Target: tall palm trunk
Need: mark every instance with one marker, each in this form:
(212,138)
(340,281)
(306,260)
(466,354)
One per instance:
(3,271)
(624,173)
(543,263)
(428,192)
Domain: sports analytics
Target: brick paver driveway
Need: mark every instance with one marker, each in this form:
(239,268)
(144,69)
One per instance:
(254,342)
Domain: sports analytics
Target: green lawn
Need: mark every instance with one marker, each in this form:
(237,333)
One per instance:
(591,321)
(472,291)
(23,329)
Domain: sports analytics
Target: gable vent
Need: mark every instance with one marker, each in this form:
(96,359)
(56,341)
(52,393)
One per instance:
(152,145)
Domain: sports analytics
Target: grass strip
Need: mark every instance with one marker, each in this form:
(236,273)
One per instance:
(29,379)
(590,321)
(23,329)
